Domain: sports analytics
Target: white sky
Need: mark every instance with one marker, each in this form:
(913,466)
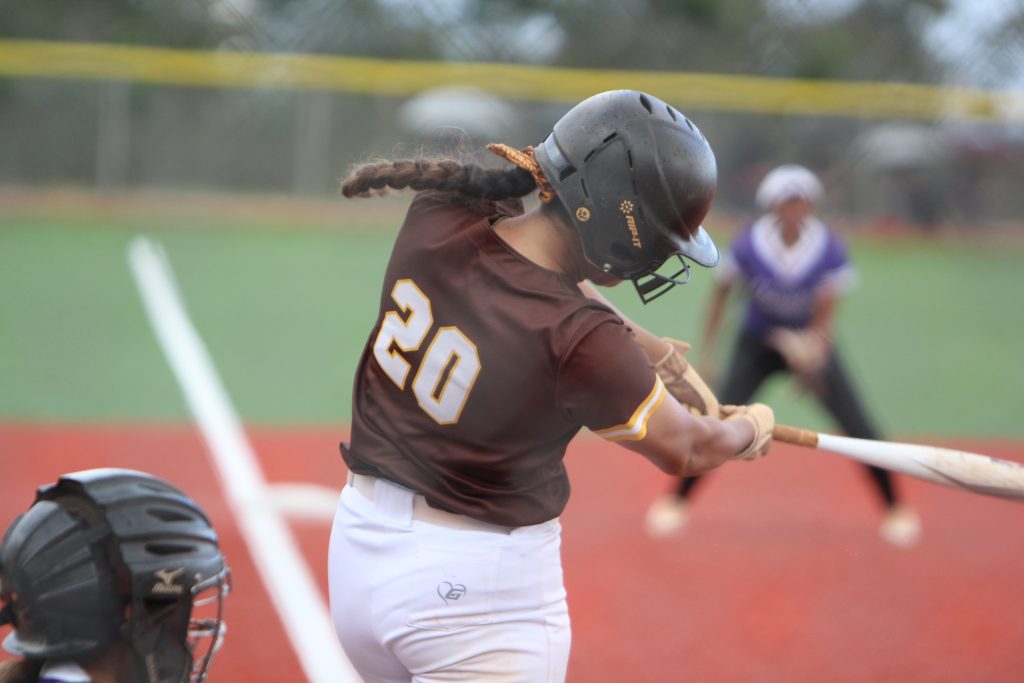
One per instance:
(960,35)
(810,11)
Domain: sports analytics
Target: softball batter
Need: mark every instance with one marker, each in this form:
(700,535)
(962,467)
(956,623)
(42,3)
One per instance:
(794,270)
(486,360)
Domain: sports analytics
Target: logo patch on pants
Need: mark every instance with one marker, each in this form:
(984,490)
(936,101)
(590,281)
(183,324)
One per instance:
(450,591)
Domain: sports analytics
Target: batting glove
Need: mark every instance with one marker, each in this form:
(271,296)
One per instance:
(763,420)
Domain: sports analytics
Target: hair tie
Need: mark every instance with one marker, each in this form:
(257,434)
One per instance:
(526,160)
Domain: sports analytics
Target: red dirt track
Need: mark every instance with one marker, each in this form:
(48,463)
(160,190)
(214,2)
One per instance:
(781,575)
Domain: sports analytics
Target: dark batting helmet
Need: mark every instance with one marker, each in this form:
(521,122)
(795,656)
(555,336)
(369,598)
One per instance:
(114,555)
(637,178)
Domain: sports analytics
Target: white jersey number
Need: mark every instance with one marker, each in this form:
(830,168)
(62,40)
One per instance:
(450,365)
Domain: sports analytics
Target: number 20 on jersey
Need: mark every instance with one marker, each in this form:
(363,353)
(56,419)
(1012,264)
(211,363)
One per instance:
(450,366)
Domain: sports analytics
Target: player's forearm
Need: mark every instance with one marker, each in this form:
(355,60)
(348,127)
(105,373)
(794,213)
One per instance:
(716,442)
(679,443)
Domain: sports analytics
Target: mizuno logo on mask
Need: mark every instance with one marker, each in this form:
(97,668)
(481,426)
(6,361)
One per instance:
(166,585)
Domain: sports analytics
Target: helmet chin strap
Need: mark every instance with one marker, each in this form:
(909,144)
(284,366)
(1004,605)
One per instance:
(651,285)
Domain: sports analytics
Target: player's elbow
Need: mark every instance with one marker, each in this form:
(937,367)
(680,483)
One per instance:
(678,443)
(680,462)
(695,465)
(676,466)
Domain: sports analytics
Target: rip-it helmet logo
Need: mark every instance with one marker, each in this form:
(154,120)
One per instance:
(583,213)
(626,207)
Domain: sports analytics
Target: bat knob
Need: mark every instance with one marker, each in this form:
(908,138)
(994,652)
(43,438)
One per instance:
(795,435)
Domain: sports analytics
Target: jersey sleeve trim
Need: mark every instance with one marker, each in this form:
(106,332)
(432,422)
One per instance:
(636,428)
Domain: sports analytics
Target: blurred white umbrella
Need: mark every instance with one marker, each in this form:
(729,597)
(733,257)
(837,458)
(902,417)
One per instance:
(451,111)
(901,146)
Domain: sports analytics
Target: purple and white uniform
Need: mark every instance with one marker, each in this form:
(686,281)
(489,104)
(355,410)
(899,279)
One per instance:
(784,281)
(783,284)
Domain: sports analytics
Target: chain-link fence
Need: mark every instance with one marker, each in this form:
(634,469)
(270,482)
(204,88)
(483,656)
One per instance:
(126,133)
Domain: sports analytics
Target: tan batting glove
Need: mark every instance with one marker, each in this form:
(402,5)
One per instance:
(804,351)
(683,382)
(763,419)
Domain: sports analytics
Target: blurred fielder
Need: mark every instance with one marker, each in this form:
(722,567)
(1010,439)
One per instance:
(794,270)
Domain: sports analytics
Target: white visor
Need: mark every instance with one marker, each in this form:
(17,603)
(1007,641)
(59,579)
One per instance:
(699,248)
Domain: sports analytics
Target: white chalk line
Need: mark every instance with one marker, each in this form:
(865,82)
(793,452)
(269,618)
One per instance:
(299,500)
(285,574)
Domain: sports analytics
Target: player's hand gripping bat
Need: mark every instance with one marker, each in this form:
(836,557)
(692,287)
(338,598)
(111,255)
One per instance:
(959,469)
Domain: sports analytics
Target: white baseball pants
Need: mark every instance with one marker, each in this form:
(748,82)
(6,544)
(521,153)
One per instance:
(418,601)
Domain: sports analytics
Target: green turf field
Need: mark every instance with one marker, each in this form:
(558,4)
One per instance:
(285,300)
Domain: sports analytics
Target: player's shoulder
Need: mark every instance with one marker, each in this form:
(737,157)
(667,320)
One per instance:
(589,319)
(454,207)
(585,308)
(835,243)
(743,234)
(741,247)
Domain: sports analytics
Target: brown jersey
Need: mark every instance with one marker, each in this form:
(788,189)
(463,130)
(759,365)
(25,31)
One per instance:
(483,366)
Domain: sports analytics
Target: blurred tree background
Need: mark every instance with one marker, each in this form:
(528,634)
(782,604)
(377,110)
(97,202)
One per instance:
(113,136)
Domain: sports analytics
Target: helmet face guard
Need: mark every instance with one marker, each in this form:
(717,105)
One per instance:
(206,633)
(637,178)
(173,644)
(649,287)
(138,563)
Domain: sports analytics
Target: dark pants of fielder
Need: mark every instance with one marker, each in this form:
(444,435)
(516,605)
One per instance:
(753,362)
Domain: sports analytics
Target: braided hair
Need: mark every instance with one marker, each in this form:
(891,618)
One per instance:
(446,175)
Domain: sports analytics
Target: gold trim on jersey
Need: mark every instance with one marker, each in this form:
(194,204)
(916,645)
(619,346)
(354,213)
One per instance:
(636,428)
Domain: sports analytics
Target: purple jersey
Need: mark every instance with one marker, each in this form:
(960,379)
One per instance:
(783,281)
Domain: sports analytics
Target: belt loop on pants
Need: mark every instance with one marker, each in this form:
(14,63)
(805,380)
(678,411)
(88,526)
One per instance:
(369,487)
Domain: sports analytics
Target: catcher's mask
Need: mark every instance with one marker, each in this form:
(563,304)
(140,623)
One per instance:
(115,555)
(637,178)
